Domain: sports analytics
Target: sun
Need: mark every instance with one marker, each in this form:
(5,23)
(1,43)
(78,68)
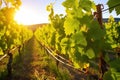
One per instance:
(26,16)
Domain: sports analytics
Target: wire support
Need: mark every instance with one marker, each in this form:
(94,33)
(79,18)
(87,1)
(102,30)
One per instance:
(67,64)
(3,57)
(7,54)
(111,7)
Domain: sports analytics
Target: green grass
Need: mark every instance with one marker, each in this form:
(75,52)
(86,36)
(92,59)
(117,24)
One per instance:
(60,73)
(34,64)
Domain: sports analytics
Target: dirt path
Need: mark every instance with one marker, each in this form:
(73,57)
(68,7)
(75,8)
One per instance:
(31,67)
(35,64)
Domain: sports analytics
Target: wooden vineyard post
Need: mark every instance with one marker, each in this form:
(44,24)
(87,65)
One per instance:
(102,63)
(99,14)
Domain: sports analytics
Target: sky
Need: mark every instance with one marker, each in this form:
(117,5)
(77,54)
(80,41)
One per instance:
(38,8)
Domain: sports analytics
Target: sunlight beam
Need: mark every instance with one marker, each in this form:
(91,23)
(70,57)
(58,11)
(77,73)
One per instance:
(27,17)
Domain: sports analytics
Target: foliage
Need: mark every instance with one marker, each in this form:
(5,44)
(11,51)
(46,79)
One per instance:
(10,3)
(114,72)
(115,4)
(79,37)
(11,34)
(74,34)
(112,37)
(113,32)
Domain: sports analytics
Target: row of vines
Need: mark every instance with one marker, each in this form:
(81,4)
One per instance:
(79,37)
(12,35)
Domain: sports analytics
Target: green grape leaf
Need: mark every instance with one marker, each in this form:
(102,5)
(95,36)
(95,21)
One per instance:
(79,38)
(1,52)
(63,45)
(95,32)
(114,72)
(68,3)
(53,39)
(115,4)
(77,54)
(3,45)
(76,65)
(87,7)
(107,76)
(64,41)
(111,74)
(115,64)
(71,25)
(78,12)
(81,50)
(90,53)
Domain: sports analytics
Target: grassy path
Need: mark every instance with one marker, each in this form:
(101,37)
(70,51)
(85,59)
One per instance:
(36,64)
(32,65)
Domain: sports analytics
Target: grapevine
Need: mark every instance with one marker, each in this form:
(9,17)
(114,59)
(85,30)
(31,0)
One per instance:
(79,37)
(12,35)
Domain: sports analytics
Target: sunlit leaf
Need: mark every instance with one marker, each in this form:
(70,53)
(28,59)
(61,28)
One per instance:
(79,38)
(76,65)
(86,7)
(90,53)
(68,3)
(71,25)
